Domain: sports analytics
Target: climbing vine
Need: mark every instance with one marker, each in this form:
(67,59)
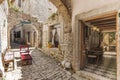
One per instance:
(53,16)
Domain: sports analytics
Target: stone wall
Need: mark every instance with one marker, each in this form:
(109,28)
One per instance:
(64,53)
(3,29)
(66,46)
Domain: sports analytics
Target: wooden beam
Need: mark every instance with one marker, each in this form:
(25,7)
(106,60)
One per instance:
(104,22)
(97,24)
(105,25)
(107,28)
(105,15)
(103,19)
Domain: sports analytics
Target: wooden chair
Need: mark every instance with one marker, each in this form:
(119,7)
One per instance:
(7,58)
(25,56)
(95,54)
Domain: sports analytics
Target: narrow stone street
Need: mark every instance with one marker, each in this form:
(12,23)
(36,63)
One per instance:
(43,68)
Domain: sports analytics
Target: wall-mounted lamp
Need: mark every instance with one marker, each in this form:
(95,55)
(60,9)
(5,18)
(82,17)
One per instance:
(96,29)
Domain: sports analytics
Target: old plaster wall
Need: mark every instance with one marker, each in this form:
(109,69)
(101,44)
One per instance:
(3,28)
(85,6)
(3,23)
(37,9)
(80,6)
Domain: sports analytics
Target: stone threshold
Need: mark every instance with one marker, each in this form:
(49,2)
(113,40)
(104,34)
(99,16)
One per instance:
(88,76)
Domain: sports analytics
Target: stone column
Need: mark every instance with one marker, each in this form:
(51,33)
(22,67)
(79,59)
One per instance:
(118,46)
(9,29)
(40,38)
(32,35)
(37,39)
(76,49)
(68,47)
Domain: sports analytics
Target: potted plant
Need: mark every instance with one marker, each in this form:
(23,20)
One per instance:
(49,44)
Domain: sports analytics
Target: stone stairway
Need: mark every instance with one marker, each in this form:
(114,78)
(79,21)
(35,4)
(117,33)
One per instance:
(96,72)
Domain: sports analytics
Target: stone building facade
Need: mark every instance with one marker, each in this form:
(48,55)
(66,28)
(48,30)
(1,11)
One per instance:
(53,36)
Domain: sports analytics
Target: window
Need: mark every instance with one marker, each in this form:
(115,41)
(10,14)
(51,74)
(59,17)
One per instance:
(17,34)
(28,36)
(19,3)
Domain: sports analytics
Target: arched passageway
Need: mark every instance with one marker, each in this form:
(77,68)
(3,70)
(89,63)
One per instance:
(14,20)
(23,34)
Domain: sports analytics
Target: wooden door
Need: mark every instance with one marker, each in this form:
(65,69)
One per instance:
(82,45)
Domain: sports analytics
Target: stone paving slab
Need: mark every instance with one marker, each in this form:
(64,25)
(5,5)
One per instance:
(43,68)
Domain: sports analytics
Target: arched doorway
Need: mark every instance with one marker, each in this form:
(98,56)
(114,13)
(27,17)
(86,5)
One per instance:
(23,35)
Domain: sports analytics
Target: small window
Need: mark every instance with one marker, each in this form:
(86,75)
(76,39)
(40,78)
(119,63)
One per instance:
(28,36)
(18,34)
(19,3)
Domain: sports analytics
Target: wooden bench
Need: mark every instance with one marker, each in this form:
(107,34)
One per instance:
(7,58)
(25,56)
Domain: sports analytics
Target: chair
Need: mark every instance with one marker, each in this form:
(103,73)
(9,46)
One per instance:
(7,58)
(25,56)
(95,54)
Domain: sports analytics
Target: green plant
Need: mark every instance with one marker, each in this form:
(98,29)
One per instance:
(16,9)
(53,16)
(112,36)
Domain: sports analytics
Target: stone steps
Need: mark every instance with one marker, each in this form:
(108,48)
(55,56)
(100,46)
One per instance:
(101,68)
(95,72)
(102,71)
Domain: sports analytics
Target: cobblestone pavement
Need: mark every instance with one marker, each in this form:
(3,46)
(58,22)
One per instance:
(43,68)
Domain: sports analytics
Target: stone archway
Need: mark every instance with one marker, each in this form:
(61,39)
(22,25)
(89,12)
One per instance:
(10,26)
(33,26)
(15,18)
(67,46)
(36,36)
(65,14)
